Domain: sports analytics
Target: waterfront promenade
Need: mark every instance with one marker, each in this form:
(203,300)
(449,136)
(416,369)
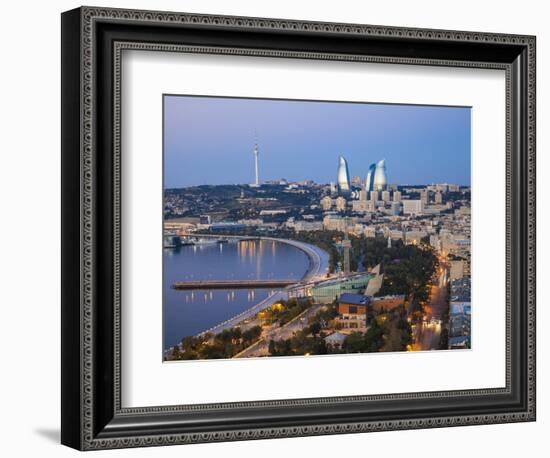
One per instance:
(318,268)
(319,259)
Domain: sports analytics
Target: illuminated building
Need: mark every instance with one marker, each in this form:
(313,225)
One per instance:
(380,181)
(343,176)
(370,178)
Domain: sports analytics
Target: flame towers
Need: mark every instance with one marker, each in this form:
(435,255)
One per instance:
(380,182)
(370,178)
(376,179)
(344,186)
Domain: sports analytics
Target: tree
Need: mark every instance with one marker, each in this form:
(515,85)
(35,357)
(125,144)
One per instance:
(406,331)
(225,336)
(444,339)
(319,346)
(237,334)
(252,334)
(374,337)
(176,354)
(355,343)
(280,348)
(272,348)
(315,328)
(189,342)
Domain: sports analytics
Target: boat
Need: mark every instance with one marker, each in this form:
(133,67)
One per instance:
(171,241)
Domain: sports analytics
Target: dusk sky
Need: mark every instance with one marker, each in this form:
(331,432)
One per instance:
(210,140)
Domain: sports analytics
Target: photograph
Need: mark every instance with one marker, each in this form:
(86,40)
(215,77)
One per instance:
(308,227)
(281,222)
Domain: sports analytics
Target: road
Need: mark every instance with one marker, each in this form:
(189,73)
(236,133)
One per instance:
(427,334)
(234,321)
(438,295)
(319,259)
(261,348)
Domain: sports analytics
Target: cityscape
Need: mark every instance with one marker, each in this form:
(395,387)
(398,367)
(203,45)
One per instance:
(358,263)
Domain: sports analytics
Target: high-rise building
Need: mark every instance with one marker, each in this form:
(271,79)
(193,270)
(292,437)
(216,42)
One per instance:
(374,196)
(344,186)
(334,223)
(457,269)
(356,181)
(397,196)
(413,207)
(362,206)
(380,179)
(386,196)
(341,204)
(438,197)
(346,245)
(333,188)
(370,178)
(395,208)
(424,193)
(362,195)
(326,203)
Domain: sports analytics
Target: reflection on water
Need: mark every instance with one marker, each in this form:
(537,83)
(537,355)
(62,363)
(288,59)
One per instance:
(190,312)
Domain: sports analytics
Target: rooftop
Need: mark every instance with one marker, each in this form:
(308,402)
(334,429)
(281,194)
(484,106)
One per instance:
(346,279)
(389,297)
(460,308)
(336,337)
(458,341)
(355,299)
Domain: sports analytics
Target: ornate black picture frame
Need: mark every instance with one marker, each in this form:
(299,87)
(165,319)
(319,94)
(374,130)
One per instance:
(92,41)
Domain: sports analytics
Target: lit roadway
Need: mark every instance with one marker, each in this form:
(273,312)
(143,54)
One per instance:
(427,333)
(261,348)
(276,296)
(318,258)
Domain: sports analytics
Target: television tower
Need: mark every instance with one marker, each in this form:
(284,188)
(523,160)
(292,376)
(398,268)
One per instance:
(256,157)
(346,245)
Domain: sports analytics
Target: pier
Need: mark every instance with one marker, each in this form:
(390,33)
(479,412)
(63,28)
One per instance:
(233,284)
(317,271)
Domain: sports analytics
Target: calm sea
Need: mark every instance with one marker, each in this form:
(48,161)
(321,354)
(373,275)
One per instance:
(190,312)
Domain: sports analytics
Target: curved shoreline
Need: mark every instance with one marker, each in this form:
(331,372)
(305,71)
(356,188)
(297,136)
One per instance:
(318,265)
(317,256)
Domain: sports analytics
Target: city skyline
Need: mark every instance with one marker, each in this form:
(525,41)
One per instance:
(433,145)
(377,261)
